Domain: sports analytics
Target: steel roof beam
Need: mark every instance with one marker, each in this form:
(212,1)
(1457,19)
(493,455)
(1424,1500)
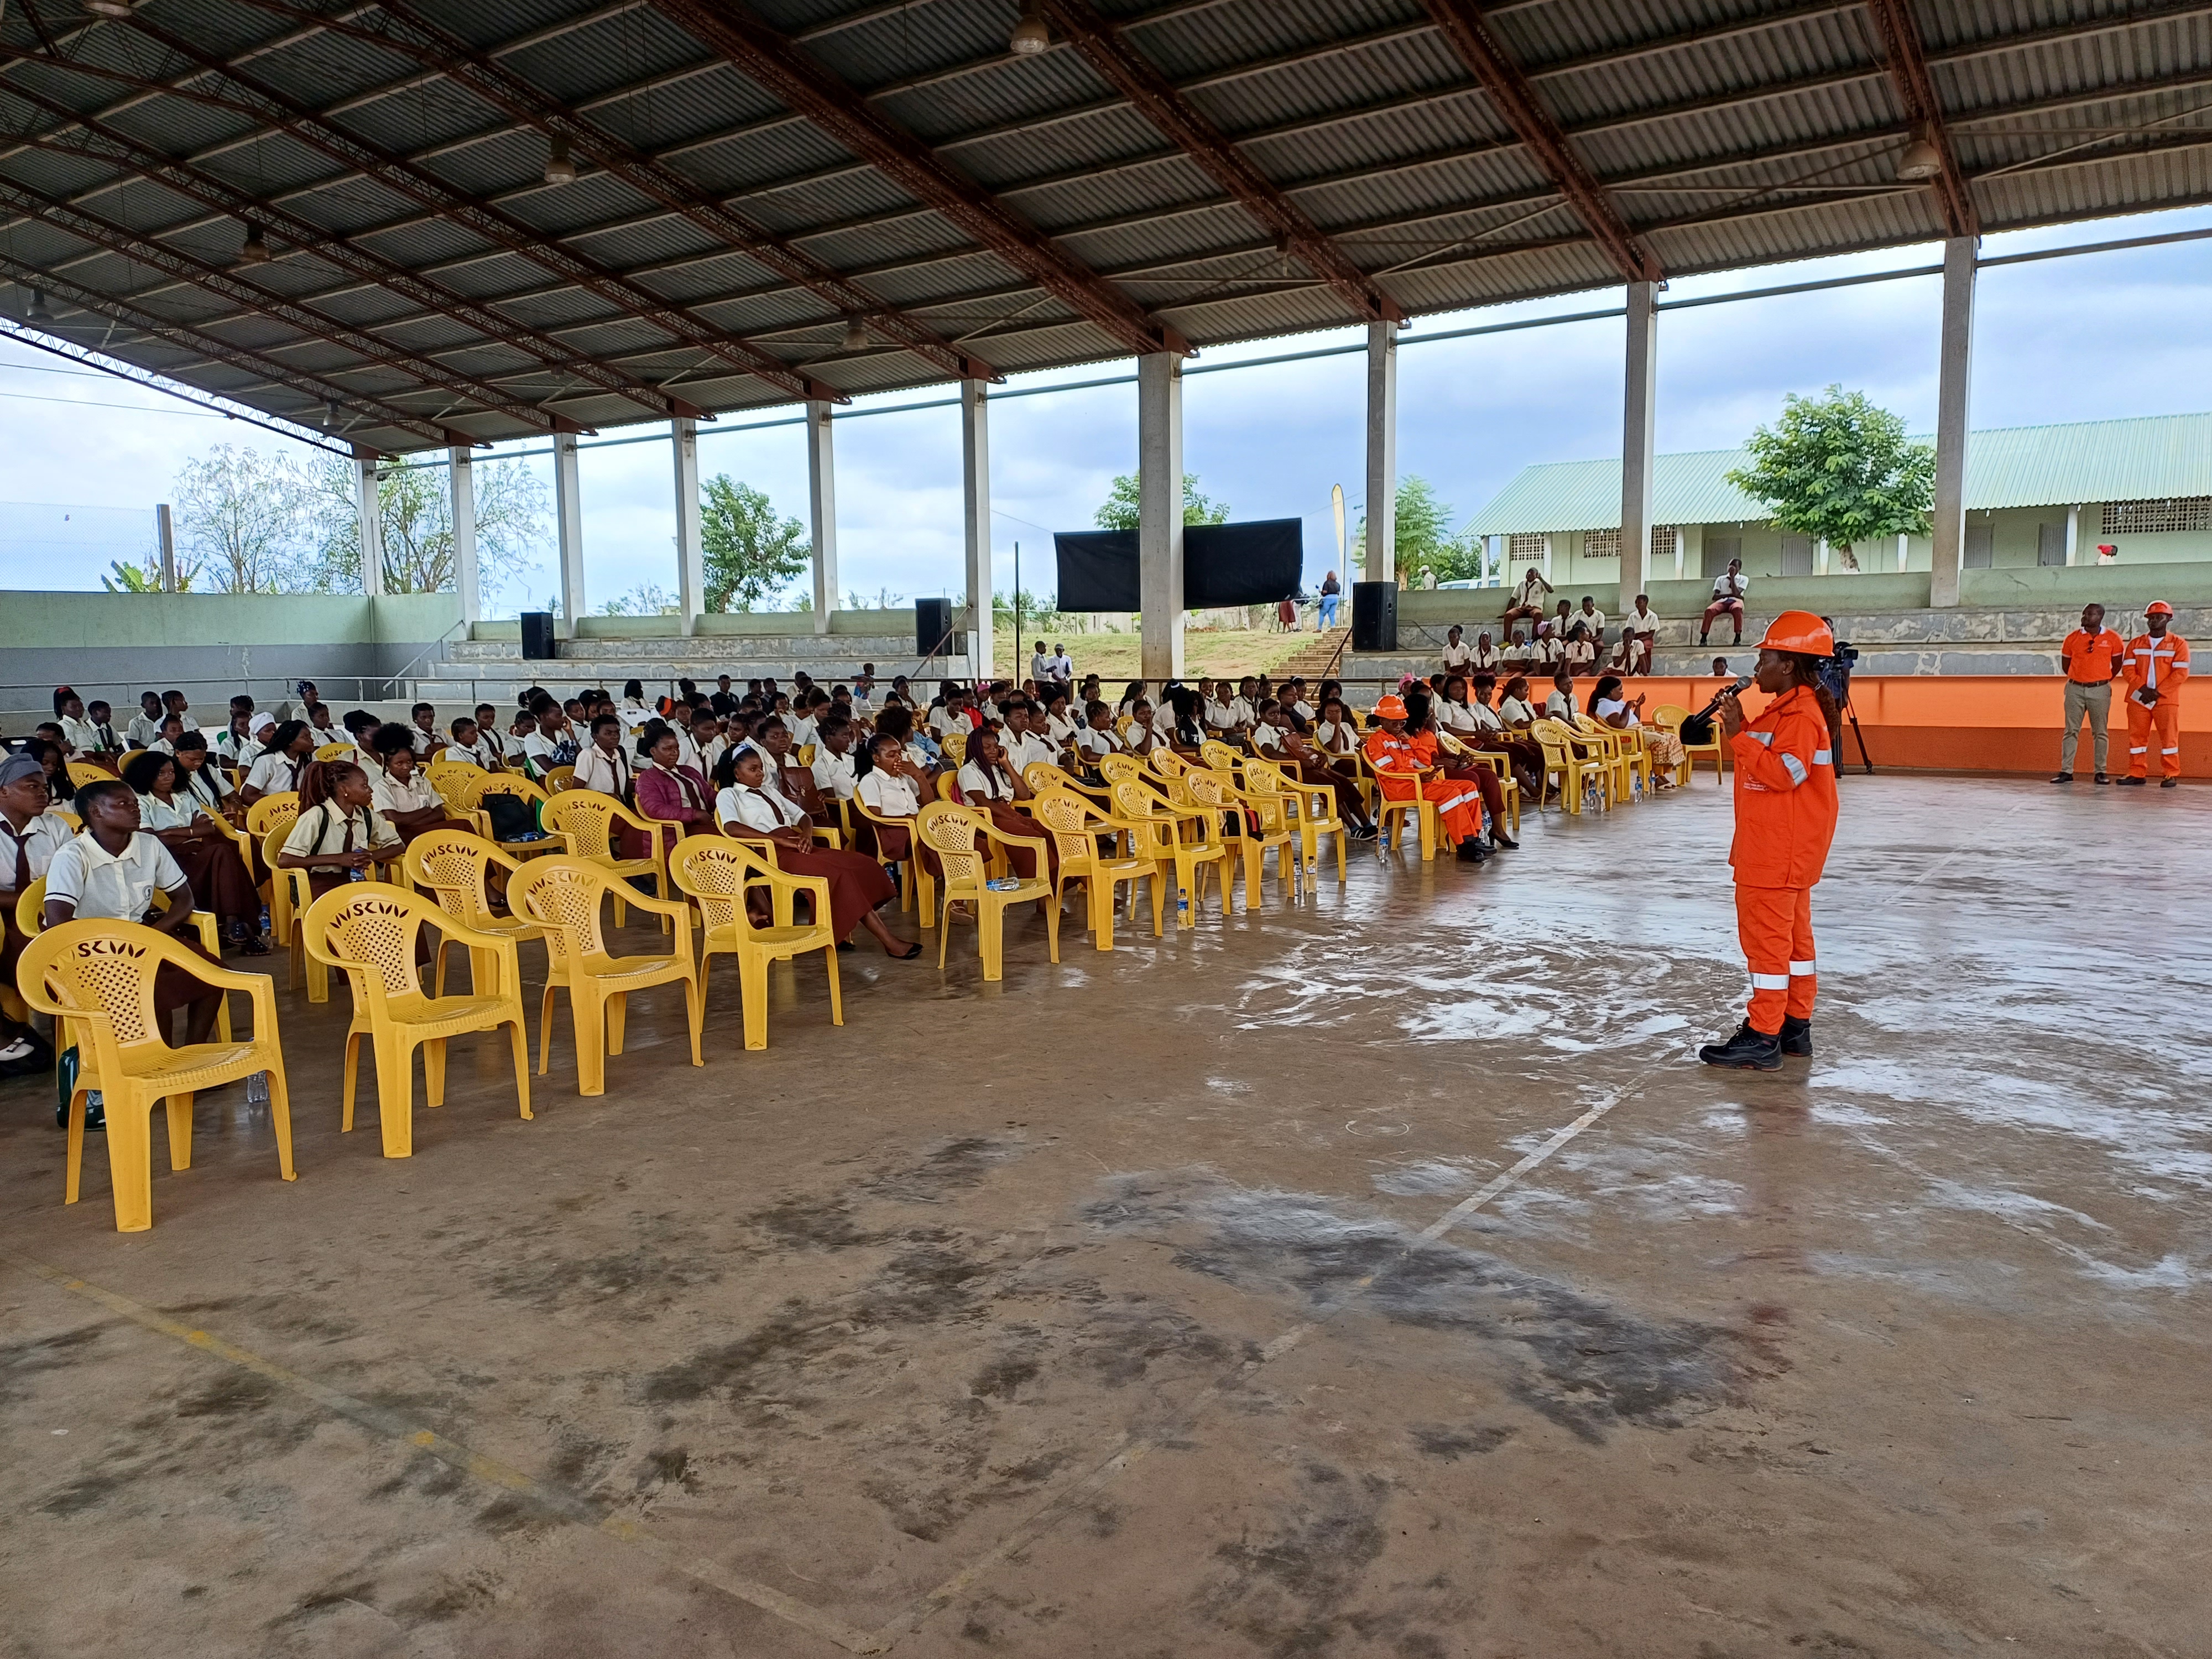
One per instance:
(1907,64)
(769,60)
(1156,98)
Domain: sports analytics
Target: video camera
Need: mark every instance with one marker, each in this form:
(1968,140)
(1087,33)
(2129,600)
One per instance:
(1835,671)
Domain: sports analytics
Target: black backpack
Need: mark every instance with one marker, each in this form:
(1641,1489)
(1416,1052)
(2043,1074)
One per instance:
(513,818)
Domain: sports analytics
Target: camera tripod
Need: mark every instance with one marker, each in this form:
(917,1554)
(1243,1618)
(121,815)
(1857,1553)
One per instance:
(1851,714)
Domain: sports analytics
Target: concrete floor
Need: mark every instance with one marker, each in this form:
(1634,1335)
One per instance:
(1234,1295)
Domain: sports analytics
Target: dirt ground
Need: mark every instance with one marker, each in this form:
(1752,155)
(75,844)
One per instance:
(1371,1275)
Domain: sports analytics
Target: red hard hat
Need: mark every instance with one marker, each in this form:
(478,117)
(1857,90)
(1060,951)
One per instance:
(2157,608)
(1800,631)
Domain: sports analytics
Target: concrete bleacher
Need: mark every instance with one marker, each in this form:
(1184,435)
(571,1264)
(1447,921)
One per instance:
(493,670)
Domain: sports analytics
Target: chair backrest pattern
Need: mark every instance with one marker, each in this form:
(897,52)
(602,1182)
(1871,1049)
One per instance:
(950,832)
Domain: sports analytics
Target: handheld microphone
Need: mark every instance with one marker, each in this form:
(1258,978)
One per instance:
(1743,683)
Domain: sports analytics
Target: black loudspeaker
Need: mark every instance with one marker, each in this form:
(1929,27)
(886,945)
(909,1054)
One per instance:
(1374,615)
(538,635)
(933,621)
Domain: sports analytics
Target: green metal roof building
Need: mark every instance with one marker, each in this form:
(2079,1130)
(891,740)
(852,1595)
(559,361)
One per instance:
(2035,495)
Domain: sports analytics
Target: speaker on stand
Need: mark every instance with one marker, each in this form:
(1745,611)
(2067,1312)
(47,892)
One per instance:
(1374,615)
(538,635)
(932,624)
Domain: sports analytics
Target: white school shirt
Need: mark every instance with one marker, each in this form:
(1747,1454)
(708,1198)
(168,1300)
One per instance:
(426,743)
(1063,729)
(633,715)
(1458,657)
(178,814)
(974,786)
(610,774)
(515,748)
(105,887)
(1339,736)
(1027,750)
(207,786)
(1514,711)
(889,795)
(1457,717)
(144,728)
(1483,656)
(711,754)
(544,752)
(834,773)
(1559,707)
(1218,715)
(1244,711)
(241,752)
(1533,587)
(687,750)
(1641,623)
(41,838)
(1593,620)
(1485,717)
(1265,737)
(484,752)
(1726,587)
(83,736)
(1094,743)
(321,830)
(390,795)
(1608,706)
(803,730)
(942,720)
(274,772)
(757,809)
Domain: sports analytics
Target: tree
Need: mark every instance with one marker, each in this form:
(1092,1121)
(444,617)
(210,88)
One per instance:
(415,513)
(145,577)
(1424,541)
(1838,467)
(238,517)
(646,599)
(1120,512)
(749,553)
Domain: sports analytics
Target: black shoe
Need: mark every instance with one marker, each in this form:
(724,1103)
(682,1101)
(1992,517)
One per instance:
(1746,1051)
(1796,1038)
(2101,778)
(1498,837)
(1471,851)
(2170,783)
(2063,777)
(2132,783)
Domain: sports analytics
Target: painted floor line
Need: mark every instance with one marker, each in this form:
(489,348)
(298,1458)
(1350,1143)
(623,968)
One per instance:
(392,1426)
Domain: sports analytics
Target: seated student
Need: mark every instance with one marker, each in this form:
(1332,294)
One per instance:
(173,703)
(1561,705)
(173,727)
(1457,654)
(519,731)
(1276,737)
(1131,695)
(361,727)
(489,750)
(1639,631)
(339,834)
(1465,769)
(1244,707)
(31,833)
(1218,716)
(1489,732)
(203,781)
(474,747)
(605,765)
(1608,705)
(836,772)
(681,715)
(424,733)
(1059,726)
(145,724)
(669,791)
(1547,650)
(176,817)
(1023,748)
(989,784)
(1099,737)
(707,739)
(897,720)
(1581,654)
(781,773)
(1396,762)
(321,722)
(235,744)
(276,769)
(111,873)
(399,790)
(1486,656)
(550,744)
(634,711)
(1149,729)
(857,882)
(1515,711)
(1335,734)
(954,715)
(82,734)
(893,787)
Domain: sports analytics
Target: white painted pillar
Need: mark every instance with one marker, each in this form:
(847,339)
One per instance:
(1548,558)
(975,501)
(1953,375)
(370,507)
(691,549)
(1681,541)
(568,526)
(1381,558)
(2072,534)
(1639,387)
(1902,549)
(822,503)
(468,586)
(1159,516)
(1820,556)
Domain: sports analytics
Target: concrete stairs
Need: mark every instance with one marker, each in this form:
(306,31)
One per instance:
(1313,659)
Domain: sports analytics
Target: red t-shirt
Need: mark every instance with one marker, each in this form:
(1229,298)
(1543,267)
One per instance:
(2089,657)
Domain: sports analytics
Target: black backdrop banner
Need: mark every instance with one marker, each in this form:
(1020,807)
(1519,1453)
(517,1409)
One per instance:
(1255,563)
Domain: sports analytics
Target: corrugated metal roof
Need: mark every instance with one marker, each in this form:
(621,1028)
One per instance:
(1734,132)
(2152,457)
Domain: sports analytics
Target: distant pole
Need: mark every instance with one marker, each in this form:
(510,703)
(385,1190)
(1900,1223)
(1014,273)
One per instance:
(1018,610)
(165,530)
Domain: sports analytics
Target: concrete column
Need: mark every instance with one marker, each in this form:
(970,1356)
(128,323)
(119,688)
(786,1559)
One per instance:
(1638,385)
(1682,542)
(1548,561)
(370,508)
(976,498)
(468,586)
(691,549)
(822,503)
(165,533)
(1902,548)
(568,526)
(1381,555)
(2074,534)
(1159,516)
(1953,375)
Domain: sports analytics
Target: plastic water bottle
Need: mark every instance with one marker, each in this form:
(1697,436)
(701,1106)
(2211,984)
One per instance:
(1002,884)
(257,1089)
(1183,906)
(1591,795)
(356,875)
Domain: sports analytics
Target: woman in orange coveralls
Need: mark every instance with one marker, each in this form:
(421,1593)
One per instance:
(1785,816)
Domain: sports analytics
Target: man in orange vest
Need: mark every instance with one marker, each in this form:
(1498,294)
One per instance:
(1785,816)
(2158,666)
(1397,764)
(2092,656)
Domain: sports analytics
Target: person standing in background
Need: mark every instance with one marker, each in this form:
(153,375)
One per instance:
(2092,656)
(1332,591)
(2157,668)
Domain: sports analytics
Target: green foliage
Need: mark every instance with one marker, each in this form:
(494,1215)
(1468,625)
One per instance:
(142,578)
(1120,512)
(750,553)
(1424,541)
(646,599)
(1838,467)
(415,513)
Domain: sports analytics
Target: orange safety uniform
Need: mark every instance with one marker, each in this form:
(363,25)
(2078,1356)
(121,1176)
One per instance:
(1785,817)
(2162,664)
(1395,757)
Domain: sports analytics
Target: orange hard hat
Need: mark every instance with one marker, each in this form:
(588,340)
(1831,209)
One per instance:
(2157,608)
(1390,708)
(1800,631)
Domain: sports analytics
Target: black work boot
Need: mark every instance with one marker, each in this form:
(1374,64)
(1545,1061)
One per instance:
(1471,851)
(1796,1038)
(1746,1051)
(2063,777)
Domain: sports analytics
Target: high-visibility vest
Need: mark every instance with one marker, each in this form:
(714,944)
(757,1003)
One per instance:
(1785,794)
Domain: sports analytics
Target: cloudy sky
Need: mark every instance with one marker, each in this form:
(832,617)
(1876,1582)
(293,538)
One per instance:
(86,457)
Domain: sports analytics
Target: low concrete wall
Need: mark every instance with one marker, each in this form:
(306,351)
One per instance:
(778,624)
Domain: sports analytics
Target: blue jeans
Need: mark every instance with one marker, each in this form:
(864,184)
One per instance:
(1328,609)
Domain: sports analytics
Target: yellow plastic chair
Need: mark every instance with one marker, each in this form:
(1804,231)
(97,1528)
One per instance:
(1075,826)
(1508,786)
(1313,810)
(1576,762)
(1214,792)
(31,921)
(456,781)
(955,745)
(513,783)
(589,820)
(950,831)
(368,932)
(331,751)
(563,896)
(98,978)
(125,759)
(560,778)
(83,772)
(913,875)
(1624,750)
(1221,757)
(279,807)
(454,867)
(1422,809)
(1156,830)
(1668,717)
(717,874)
